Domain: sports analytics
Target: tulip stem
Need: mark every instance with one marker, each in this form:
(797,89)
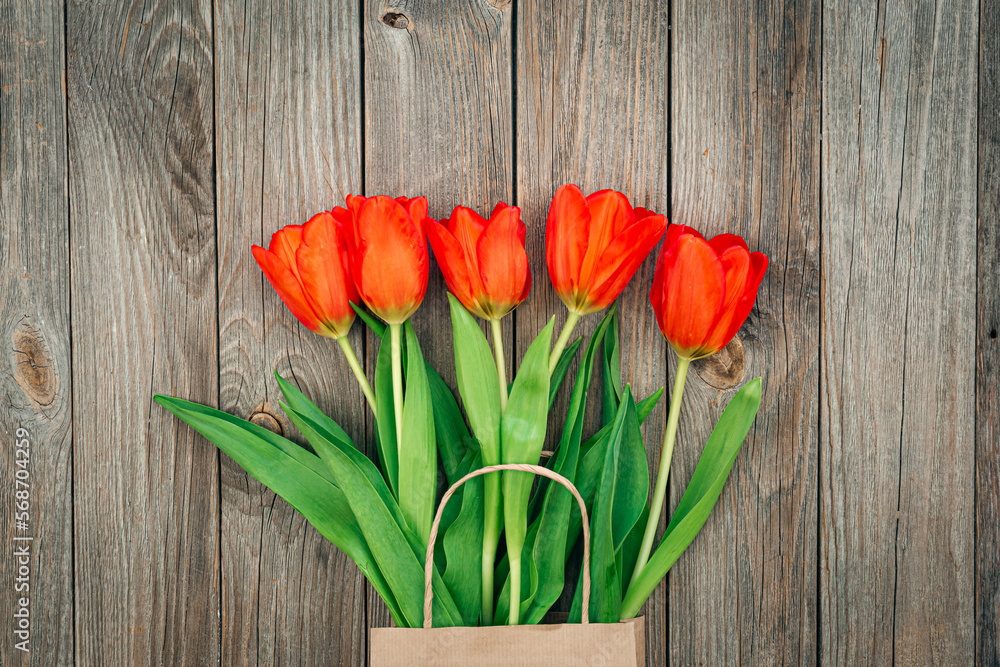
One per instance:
(661,476)
(571,319)
(501,365)
(352,361)
(491,538)
(397,382)
(491,528)
(514,618)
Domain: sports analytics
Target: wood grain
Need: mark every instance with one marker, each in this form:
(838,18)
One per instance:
(898,378)
(36,377)
(437,123)
(746,151)
(144,311)
(988,344)
(288,135)
(145,147)
(592,110)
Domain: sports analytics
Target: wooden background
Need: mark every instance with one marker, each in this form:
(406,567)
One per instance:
(144,146)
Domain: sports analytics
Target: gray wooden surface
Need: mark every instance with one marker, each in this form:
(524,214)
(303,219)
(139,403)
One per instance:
(145,146)
(987,463)
(746,160)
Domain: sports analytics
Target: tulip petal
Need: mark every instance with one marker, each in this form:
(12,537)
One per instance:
(354,205)
(467,226)
(452,261)
(390,264)
(284,244)
(758,267)
(527,287)
(676,231)
(566,233)
(417,210)
(503,262)
(323,269)
(693,291)
(610,215)
(639,213)
(735,260)
(622,258)
(288,288)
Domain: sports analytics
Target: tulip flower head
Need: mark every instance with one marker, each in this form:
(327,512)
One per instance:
(703,290)
(388,253)
(308,267)
(483,261)
(595,244)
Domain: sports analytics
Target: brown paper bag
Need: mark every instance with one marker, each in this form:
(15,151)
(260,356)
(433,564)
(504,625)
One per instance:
(606,644)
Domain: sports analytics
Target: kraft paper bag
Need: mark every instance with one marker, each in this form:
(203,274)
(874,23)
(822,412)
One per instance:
(547,645)
(605,644)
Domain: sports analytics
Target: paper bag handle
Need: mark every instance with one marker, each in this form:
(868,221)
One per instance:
(520,467)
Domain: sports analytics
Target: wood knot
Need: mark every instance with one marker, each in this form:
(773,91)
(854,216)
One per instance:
(396,20)
(261,417)
(33,364)
(725,369)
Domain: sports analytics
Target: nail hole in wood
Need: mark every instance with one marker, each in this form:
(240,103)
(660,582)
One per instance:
(993,334)
(395,20)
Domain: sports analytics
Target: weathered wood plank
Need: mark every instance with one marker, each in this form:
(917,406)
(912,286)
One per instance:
(745,100)
(988,345)
(144,311)
(438,123)
(36,381)
(289,146)
(898,379)
(592,91)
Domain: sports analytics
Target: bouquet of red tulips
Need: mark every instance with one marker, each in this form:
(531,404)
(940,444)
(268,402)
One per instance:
(505,542)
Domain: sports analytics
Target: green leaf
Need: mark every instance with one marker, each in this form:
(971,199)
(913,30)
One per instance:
(631,477)
(451,511)
(562,367)
(376,325)
(385,435)
(332,433)
(586,481)
(418,455)
(476,371)
(701,494)
(549,554)
(522,434)
(395,548)
(609,524)
(529,584)
(612,394)
(298,476)
(592,451)
(462,545)
(629,551)
(522,431)
(453,437)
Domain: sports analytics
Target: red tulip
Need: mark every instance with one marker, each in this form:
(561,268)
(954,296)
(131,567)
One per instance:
(388,251)
(483,261)
(595,244)
(308,267)
(703,290)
